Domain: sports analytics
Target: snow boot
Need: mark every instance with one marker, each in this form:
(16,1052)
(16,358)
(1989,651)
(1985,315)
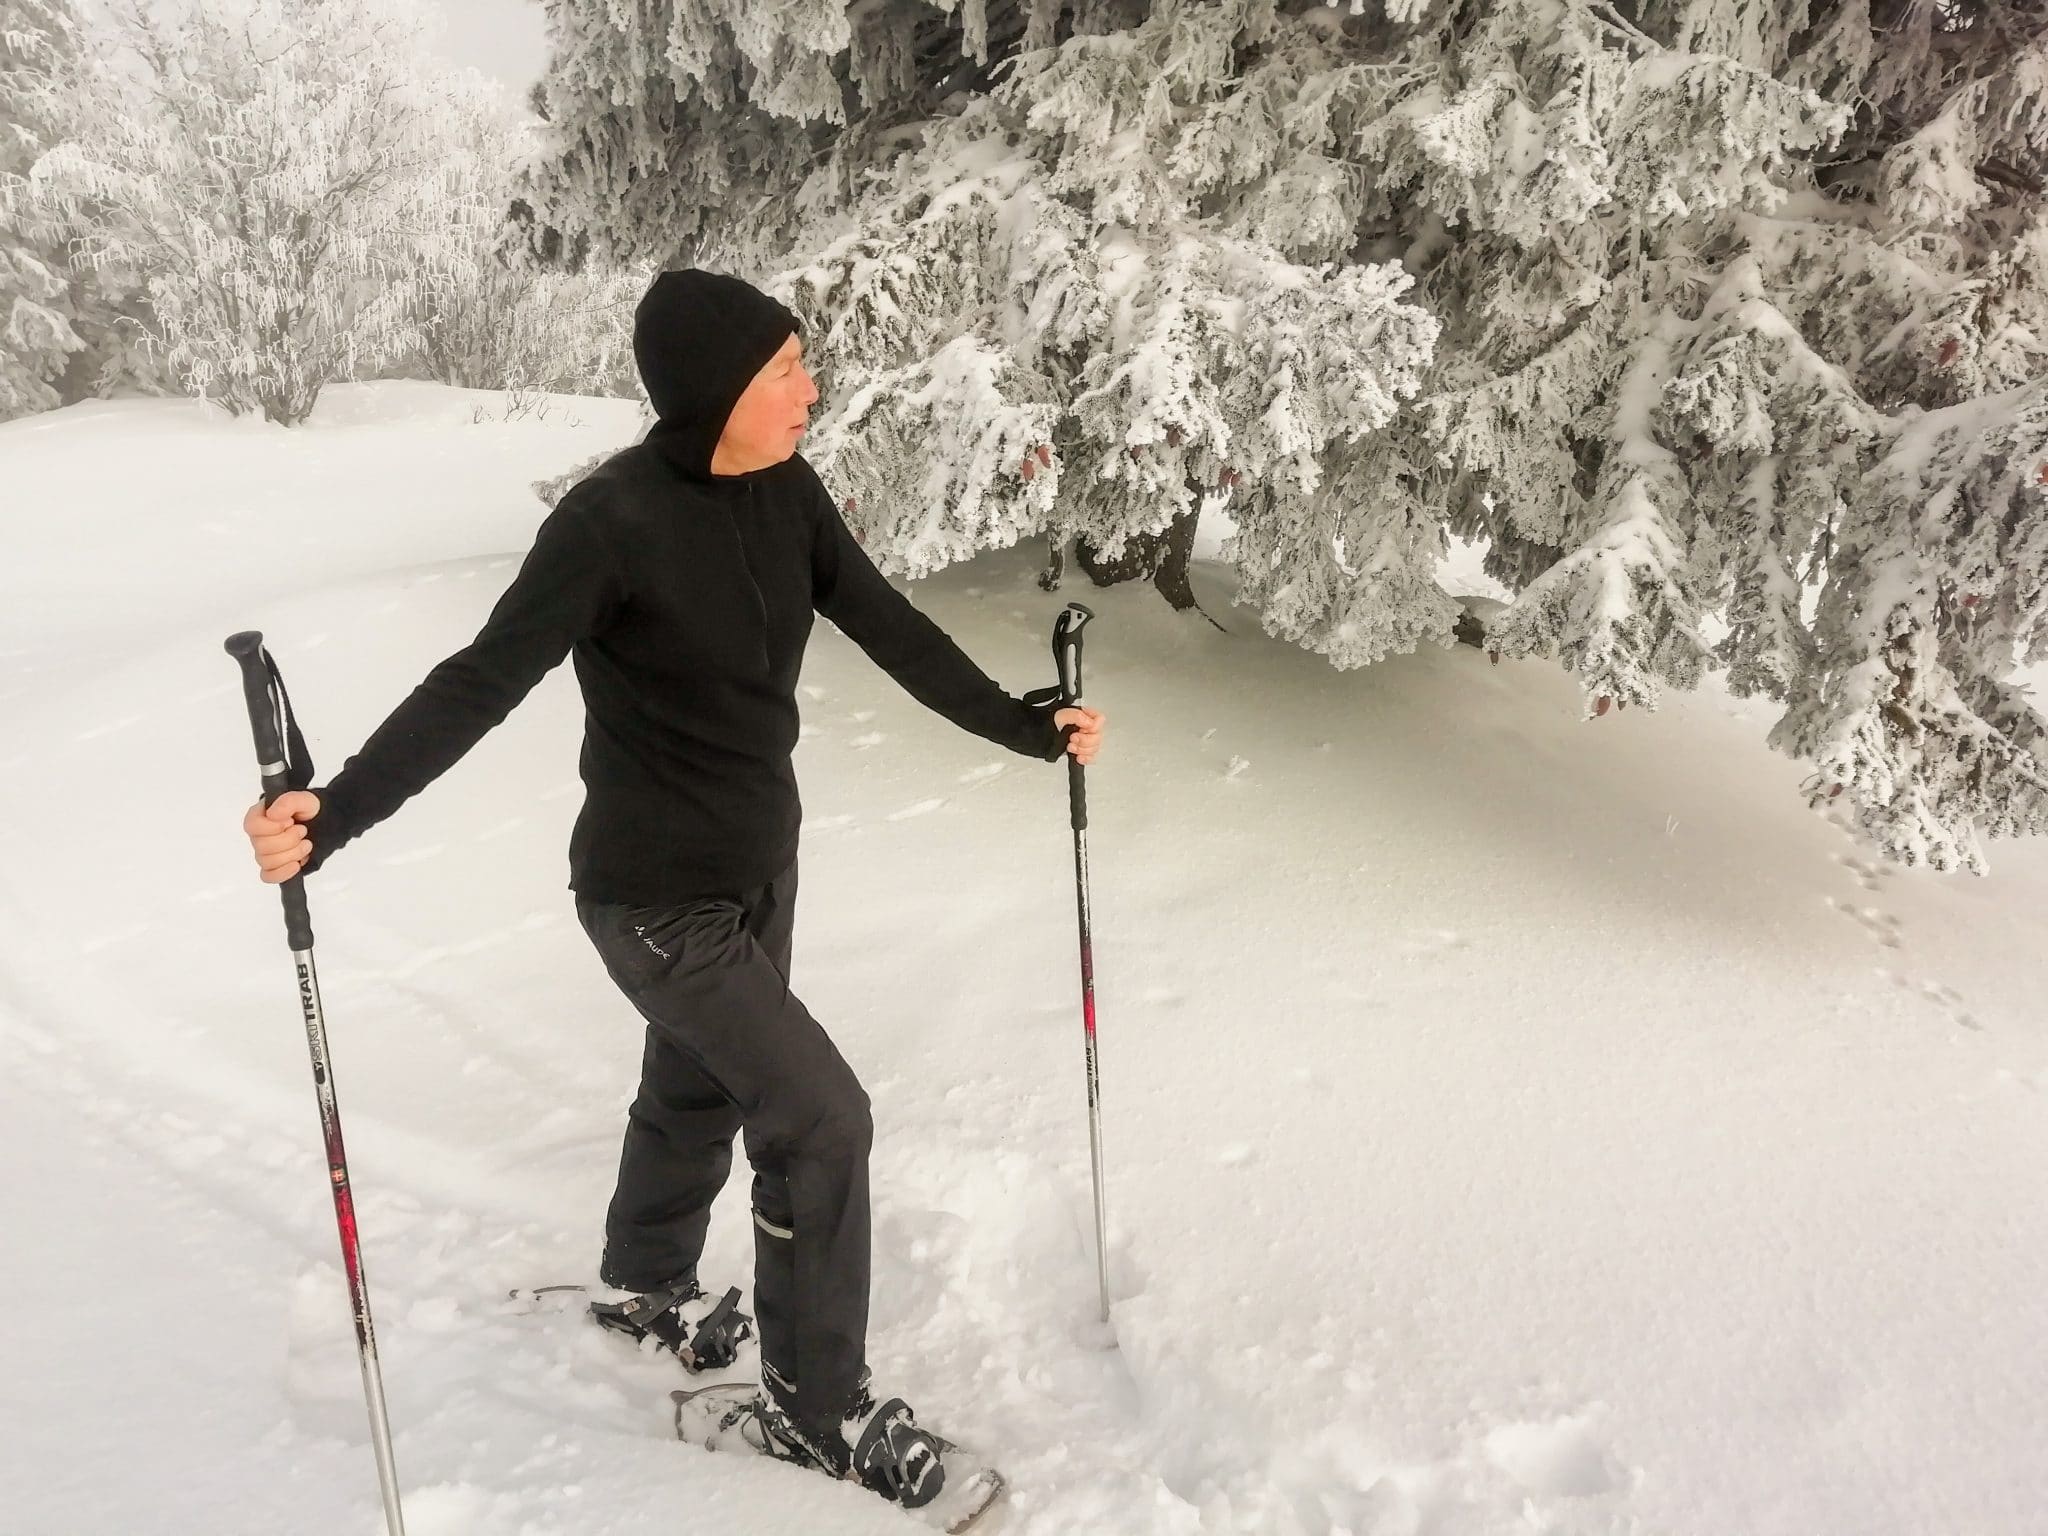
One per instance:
(878,1444)
(933,1480)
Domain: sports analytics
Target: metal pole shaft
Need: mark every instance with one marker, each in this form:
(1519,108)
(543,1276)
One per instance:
(351,1249)
(1066,650)
(1094,1095)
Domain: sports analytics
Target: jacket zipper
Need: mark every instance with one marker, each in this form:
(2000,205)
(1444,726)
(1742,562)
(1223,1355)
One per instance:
(760,602)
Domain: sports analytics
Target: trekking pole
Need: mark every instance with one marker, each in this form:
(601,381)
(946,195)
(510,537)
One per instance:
(1066,651)
(283,762)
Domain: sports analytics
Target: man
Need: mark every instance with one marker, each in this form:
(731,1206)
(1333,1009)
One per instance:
(681,576)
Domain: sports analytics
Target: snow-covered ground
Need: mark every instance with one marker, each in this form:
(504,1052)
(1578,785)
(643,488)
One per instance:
(1514,1124)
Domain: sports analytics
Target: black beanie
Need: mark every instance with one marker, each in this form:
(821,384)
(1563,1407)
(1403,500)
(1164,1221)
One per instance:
(699,338)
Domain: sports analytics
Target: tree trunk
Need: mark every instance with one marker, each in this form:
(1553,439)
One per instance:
(1160,557)
(1140,558)
(1171,577)
(1056,563)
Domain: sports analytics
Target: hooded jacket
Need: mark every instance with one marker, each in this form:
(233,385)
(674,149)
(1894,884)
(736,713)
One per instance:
(684,600)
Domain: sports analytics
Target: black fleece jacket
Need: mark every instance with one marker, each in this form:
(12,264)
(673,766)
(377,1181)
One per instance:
(685,600)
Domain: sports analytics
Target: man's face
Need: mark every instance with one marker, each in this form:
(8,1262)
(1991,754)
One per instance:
(770,417)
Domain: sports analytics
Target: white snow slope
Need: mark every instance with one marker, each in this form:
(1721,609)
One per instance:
(1513,1124)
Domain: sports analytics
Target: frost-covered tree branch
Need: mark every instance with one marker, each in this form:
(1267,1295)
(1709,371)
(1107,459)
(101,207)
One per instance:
(262,171)
(1719,321)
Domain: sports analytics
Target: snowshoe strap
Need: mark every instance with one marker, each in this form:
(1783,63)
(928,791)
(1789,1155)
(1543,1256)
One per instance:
(713,1345)
(897,1459)
(641,1311)
(716,1343)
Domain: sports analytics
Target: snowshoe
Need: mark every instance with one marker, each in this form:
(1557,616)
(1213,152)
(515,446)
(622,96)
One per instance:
(879,1446)
(702,1332)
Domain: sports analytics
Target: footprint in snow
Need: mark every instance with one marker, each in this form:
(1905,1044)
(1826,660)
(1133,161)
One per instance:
(1883,926)
(861,716)
(1947,997)
(1236,770)
(1867,874)
(983,774)
(922,808)
(870,739)
(827,823)
(1951,1001)
(814,693)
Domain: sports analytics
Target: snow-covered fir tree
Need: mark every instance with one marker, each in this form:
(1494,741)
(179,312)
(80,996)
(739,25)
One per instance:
(1721,321)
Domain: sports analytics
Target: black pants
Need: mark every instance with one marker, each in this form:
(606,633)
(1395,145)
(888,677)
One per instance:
(730,1049)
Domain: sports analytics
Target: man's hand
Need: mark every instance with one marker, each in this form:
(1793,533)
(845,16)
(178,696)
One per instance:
(280,843)
(1087,738)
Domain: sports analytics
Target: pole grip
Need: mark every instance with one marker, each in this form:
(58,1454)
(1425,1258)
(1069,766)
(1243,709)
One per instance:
(269,723)
(1066,655)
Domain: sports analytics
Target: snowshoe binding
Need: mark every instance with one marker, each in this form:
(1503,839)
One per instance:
(702,1333)
(878,1445)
